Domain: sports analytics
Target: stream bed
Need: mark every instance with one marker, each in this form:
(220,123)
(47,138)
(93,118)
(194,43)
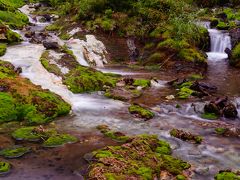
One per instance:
(90,110)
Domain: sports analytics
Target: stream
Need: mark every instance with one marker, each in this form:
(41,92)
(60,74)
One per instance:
(90,110)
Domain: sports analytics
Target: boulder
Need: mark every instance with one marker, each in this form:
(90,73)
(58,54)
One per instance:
(235,36)
(51,45)
(230,111)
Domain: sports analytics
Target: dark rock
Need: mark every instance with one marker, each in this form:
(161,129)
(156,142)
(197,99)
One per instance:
(212,108)
(51,45)
(128,81)
(133,51)
(18,70)
(222,16)
(230,111)
(4,88)
(29,34)
(214,23)
(228,52)
(47,17)
(235,36)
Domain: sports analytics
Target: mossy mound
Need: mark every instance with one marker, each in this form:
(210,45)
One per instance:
(59,140)
(210,116)
(33,133)
(84,79)
(14,152)
(141,112)
(142,82)
(139,159)
(227,175)
(20,100)
(186,136)
(4,168)
(117,136)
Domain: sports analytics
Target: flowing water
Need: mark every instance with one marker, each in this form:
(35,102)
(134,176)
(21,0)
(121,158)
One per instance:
(90,110)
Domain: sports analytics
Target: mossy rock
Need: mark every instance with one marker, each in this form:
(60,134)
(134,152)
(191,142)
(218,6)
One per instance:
(139,158)
(186,136)
(235,59)
(14,152)
(227,176)
(117,136)
(84,79)
(59,140)
(26,134)
(4,168)
(141,112)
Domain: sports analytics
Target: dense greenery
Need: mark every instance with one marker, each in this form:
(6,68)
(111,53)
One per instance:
(22,101)
(156,23)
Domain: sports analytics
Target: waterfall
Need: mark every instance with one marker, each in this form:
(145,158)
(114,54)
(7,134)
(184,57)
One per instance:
(219,40)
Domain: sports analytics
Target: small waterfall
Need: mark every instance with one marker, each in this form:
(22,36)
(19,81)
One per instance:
(219,40)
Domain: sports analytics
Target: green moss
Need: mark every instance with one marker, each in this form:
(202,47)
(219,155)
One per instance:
(186,136)
(14,152)
(4,168)
(173,165)
(59,140)
(195,77)
(220,131)
(12,37)
(210,116)
(26,134)
(84,79)
(3,49)
(223,26)
(192,55)
(235,59)
(141,112)
(142,82)
(185,93)
(53,27)
(138,158)
(227,176)
(52,68)
(180,177)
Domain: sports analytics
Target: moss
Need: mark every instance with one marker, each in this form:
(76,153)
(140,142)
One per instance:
(4,168)
(210,116)
(3,49)
(14,152)
(141,112)
(118,136)
(52,68)
(192,55)
(142,82)
(235,59)
(59,140)
(180,177)
(12,37)
(53,27)
(163,148)
(194,77)
(138,158)
(185,93)
(84,79)
(223,26)
(220,131)
(26,134)
(227,176)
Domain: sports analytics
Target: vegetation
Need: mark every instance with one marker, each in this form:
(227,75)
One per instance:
(14,152)
(186,136)
(141,112)
(4,168)
(227,175)
(142,157)
(59,140)
(3,49)
(235,59)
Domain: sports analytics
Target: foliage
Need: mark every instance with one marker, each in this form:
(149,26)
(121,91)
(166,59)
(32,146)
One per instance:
(3,49)
(227,176)
(14,152)
(59,140)
(4,167)
(142,82)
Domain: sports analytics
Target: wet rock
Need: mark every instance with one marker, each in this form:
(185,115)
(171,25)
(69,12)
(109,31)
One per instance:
(186,136)
(230,111)
(228,52)
(18,70)
(222,107)
(141,112)
(51,45)
(123,94)
(214,23)
(202,170)
(4,88)
(29,34)
(133,51)
(229,132)
(235,36)
(47,17)
(14,152)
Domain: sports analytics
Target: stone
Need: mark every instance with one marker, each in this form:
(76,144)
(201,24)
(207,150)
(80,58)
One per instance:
(51,45)
(230,111)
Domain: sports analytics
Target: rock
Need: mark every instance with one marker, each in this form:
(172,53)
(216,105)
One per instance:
(51,45)
(228,52)
(211,108)
(4,88)
(29,34)
(214,23)
(230,111)
(47,17)
(170,97)
(128,81)
(133,51)
(222,16)
(235,36)
(18,70)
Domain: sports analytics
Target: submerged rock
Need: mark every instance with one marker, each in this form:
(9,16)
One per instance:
(59,140)
(227,175)
(51,45)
